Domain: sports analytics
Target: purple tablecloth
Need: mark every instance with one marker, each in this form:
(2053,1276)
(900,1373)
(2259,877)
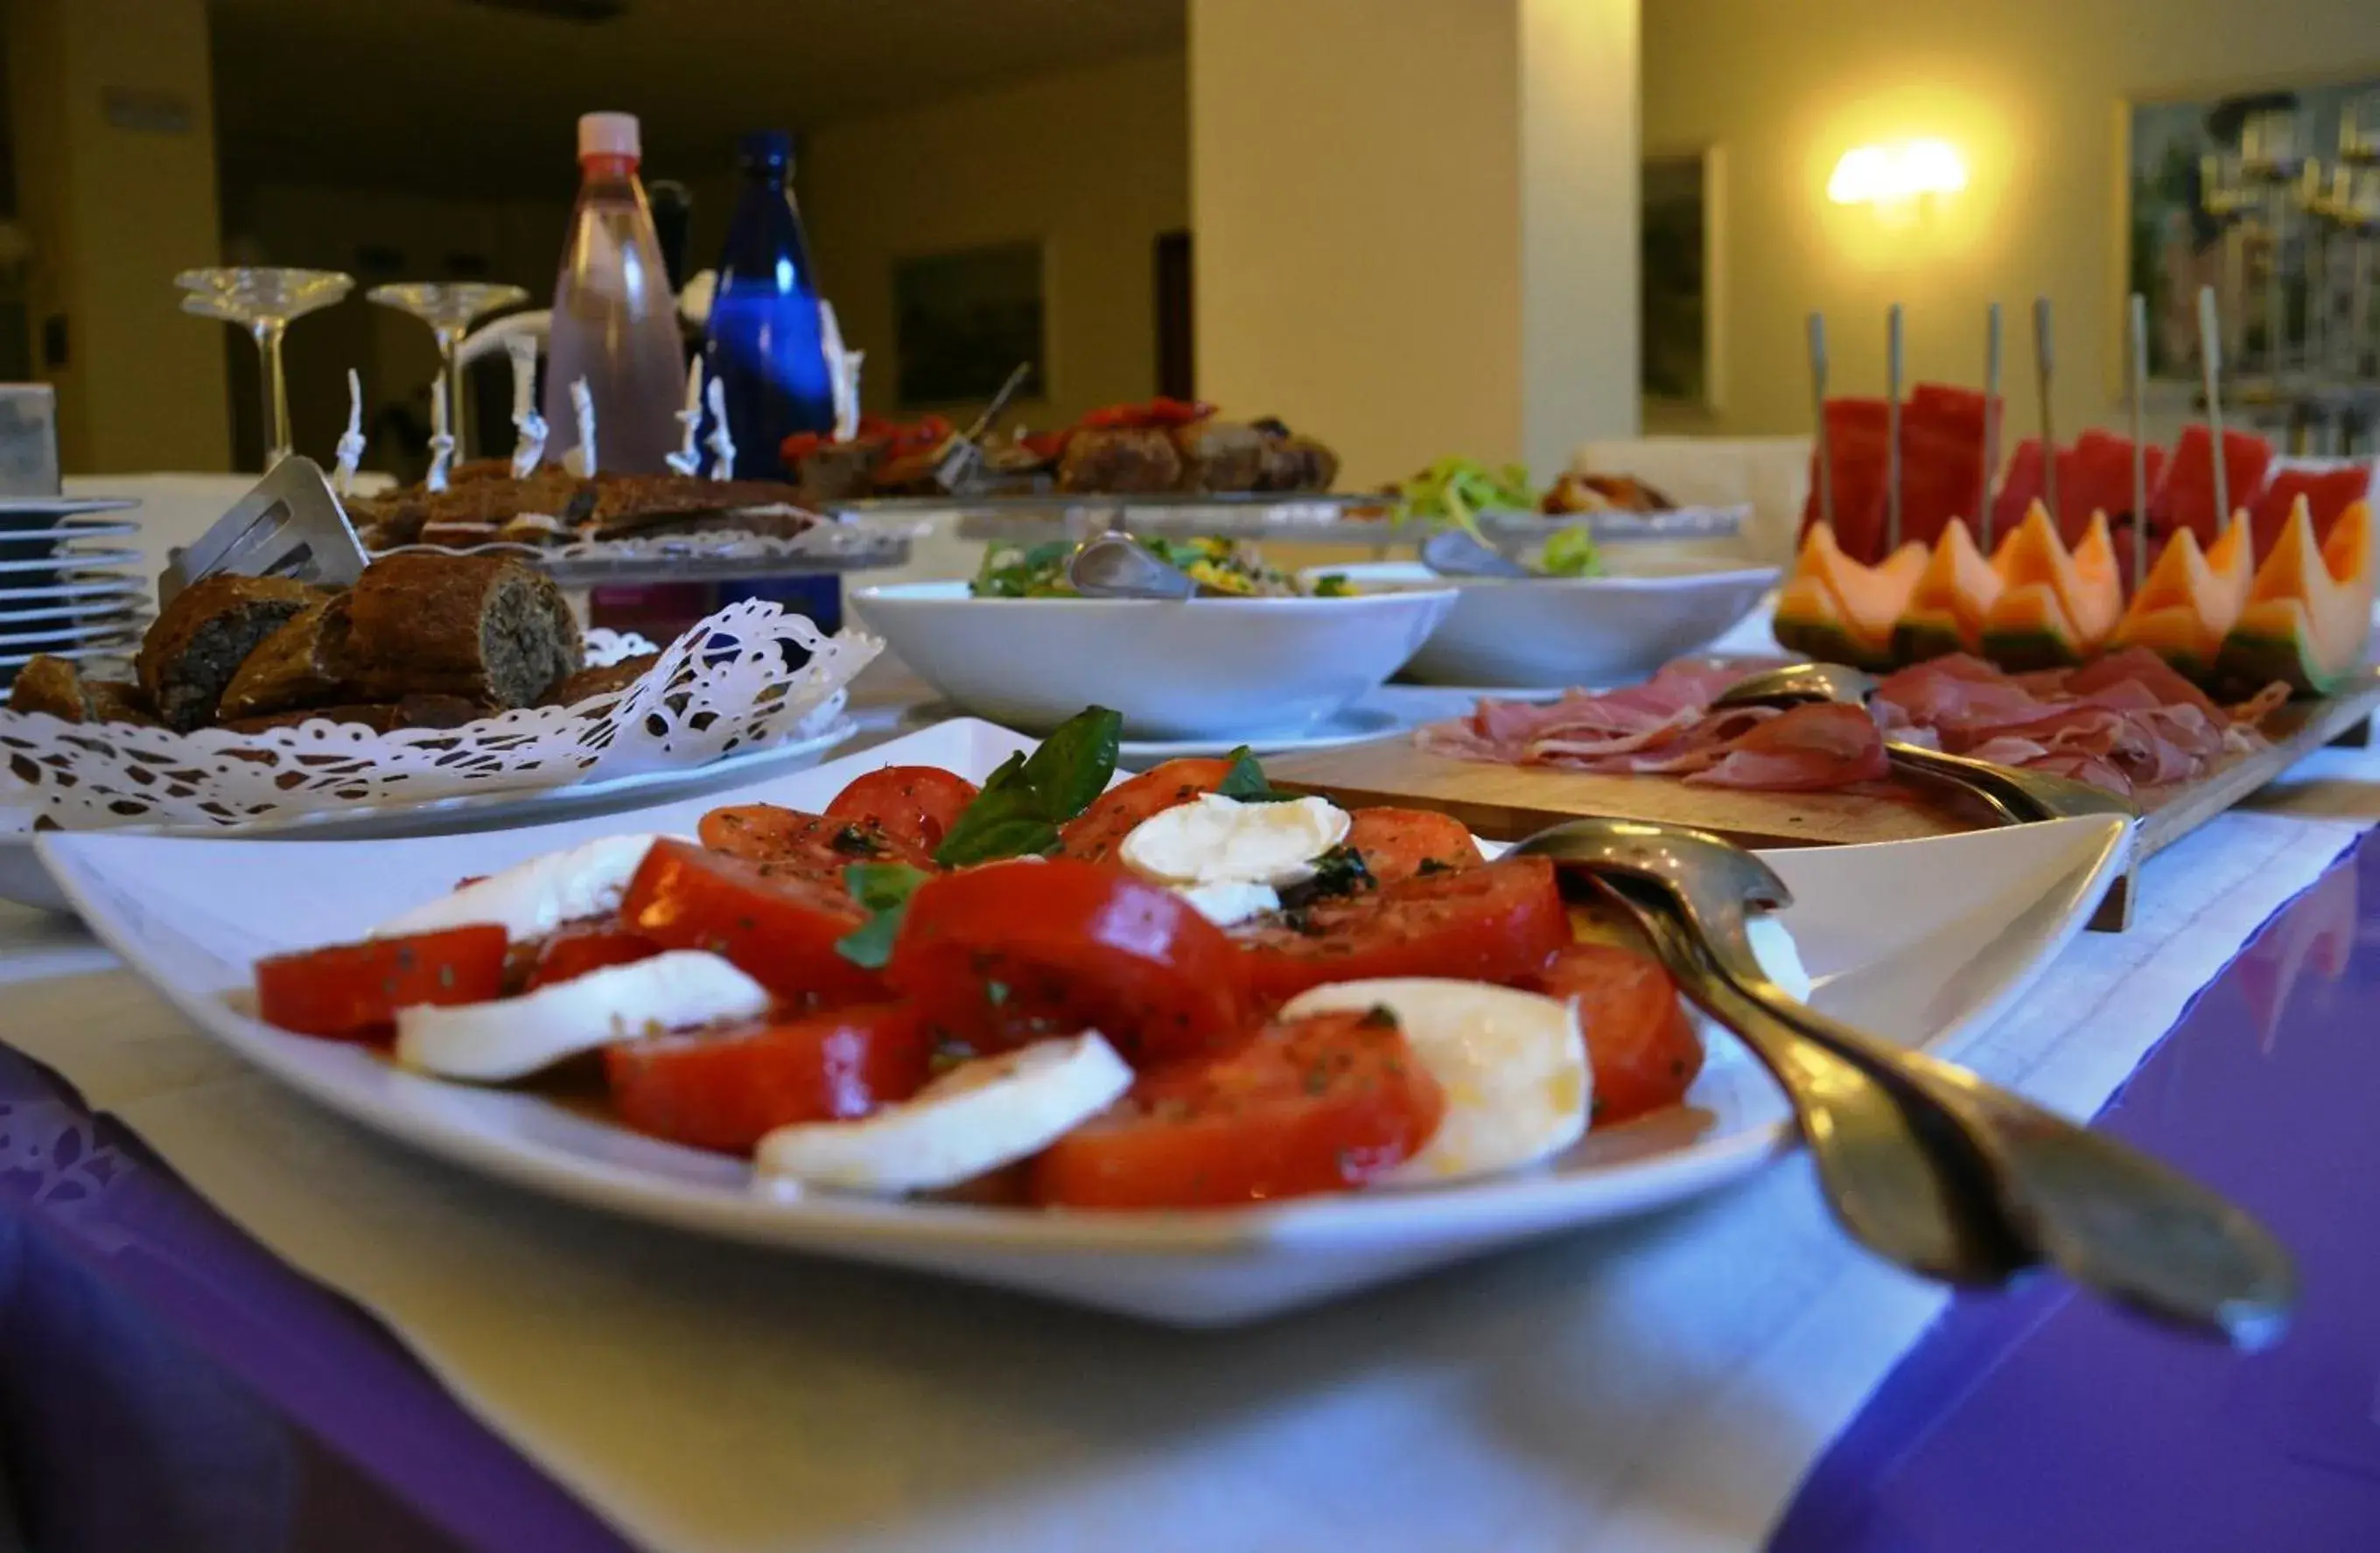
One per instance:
(165,1382)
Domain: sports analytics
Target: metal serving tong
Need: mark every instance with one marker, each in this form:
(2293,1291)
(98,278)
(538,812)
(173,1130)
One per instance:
(290,526)
(1923,1162)
(2017,796)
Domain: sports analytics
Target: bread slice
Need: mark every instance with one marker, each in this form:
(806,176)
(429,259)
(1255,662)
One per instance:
(302,664)
(381,717)
(55,686)
(598,682)
(485,628)
(201,639)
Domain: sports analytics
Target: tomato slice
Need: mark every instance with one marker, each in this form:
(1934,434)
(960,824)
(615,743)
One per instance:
(779,928)
(805,845)
(913,804)
(1404,844)
(1497,923)
(1310,1105)
(727,1090)
(1009,952)
(574,952)
(1094,834)
(1640,1040)
(353,991)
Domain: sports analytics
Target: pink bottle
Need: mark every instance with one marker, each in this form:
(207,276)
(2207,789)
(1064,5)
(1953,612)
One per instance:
(615,320)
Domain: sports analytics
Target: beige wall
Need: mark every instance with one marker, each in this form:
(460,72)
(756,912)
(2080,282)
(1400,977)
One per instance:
(113,212)
(2031,92)
(1094,163)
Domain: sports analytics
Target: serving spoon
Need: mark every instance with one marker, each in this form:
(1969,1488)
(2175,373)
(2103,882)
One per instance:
(2110,1218)
(2016,795)
(1116,565)
(1457,552)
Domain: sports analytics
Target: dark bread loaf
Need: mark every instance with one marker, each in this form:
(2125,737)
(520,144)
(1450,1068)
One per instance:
(634,503)
(485,628)
(116,700)
(1294,463)
(304,663)
(1122,461)
(201,639)
(50,684)
(596,682)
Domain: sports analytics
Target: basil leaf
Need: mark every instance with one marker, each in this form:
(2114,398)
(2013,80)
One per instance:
(1074,763)
(884,889)
(1246,782)
(1025,801)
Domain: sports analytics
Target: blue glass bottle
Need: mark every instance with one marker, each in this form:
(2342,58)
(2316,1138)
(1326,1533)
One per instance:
(765,348)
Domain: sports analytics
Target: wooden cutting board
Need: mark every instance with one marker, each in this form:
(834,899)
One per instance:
(1505,803)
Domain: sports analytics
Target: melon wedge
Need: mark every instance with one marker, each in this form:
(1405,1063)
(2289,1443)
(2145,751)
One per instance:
(2190,599)
(2055,608)
(1836,610)
(1946,610)
(2309,609)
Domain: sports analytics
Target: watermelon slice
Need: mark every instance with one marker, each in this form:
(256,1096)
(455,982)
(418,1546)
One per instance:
(2020,488)
(1941,459)
(2185,499)
(1856,431)
(2095,476)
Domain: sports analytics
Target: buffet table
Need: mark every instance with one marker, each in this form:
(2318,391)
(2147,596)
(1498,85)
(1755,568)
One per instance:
(186,1238)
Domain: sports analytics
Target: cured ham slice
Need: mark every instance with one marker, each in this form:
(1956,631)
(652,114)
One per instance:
(2124,723)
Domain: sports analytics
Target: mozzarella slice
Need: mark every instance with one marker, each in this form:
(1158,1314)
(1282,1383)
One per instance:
(530,900)
(513,1038)
(978,1117)
(1512,1066)
(1214,840)
(1229,901)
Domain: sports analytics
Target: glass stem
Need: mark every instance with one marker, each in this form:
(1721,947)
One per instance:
(450,339)
(268,332)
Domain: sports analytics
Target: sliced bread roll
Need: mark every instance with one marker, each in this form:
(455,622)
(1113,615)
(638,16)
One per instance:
(484,627)
(304,663)
(200,640)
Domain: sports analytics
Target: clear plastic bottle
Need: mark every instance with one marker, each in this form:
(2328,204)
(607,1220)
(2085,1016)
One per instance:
(615,320)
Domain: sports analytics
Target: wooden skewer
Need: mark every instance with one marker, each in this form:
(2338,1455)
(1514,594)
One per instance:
(1892,429)
(2042,369)
(1818,405)
(1991,425)
(2136,380)
(2210,364)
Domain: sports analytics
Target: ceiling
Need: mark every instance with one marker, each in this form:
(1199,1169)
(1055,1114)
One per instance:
(449,94)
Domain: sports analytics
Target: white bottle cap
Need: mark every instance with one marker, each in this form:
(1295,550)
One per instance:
(608,134)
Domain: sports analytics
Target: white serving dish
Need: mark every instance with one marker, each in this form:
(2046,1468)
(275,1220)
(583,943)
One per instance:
(1552,632)
(1891,950)
(25,881)
(1209,668)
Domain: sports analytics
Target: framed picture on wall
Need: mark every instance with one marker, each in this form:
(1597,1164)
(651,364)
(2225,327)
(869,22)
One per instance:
(963,319)
(1678,224)
(2272,198)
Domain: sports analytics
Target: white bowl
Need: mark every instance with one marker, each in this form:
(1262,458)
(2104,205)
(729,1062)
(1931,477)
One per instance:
(1563,631)
(1211,668)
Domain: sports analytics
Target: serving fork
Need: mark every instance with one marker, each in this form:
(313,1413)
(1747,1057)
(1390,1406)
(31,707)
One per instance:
(290,526)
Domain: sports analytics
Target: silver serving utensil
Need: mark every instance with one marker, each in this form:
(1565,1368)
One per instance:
(2110,1218)
(1118,566)
(962,460)
(2017,796)
(1453,553)
(290,526)
(1879,1176)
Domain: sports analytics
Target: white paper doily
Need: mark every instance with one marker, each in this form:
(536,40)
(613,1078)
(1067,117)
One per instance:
(720,688)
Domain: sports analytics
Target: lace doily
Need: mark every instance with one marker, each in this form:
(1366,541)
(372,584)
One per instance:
(720,688)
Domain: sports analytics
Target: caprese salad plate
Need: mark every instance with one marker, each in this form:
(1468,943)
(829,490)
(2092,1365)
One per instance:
(1176,1045)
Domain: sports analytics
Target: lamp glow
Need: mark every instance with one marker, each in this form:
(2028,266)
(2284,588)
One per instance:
(1890,175)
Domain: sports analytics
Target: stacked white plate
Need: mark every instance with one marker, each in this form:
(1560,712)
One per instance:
(71,581)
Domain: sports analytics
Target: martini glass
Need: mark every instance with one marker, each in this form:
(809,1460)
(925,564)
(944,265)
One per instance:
(448,307)
(263,300)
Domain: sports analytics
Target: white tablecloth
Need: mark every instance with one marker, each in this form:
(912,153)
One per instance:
(1661,1385)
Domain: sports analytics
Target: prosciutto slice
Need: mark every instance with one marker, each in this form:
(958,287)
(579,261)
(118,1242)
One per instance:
(2124,722)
